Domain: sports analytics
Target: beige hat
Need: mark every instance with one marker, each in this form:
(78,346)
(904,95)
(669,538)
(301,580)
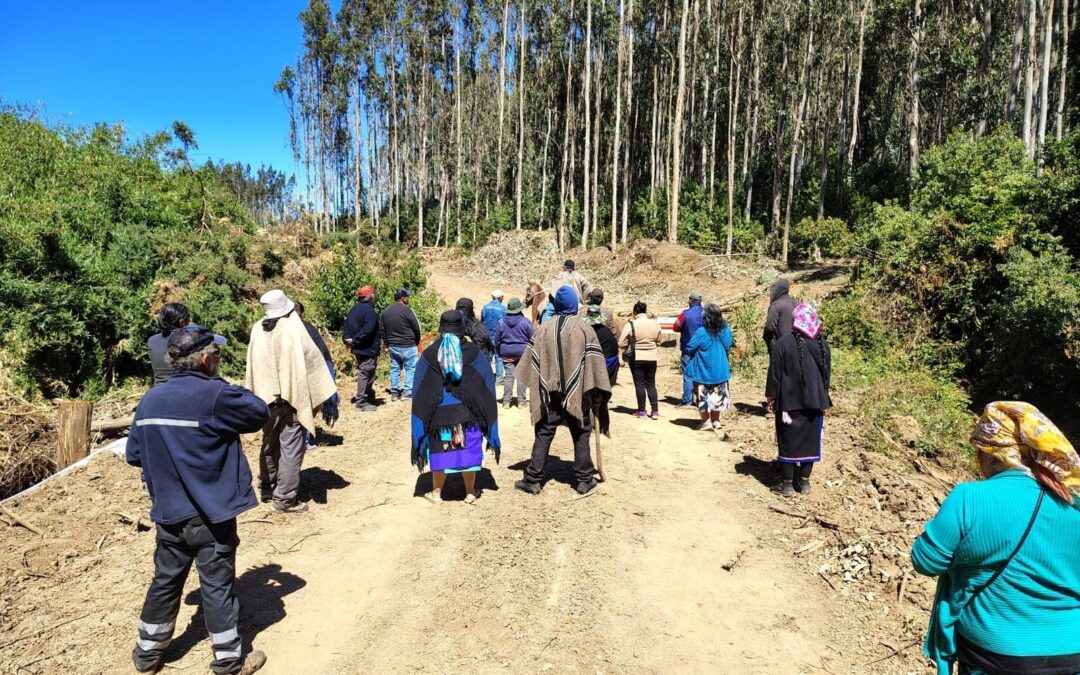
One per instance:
(276,304)
(497,294)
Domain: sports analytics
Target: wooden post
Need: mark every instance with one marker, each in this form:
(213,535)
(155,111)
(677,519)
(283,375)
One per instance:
(74,432)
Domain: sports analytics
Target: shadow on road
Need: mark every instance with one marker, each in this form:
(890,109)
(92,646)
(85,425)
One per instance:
(763,471)
(558,469)
(454,489)
(315,482)
(326,439)
(687,423)
(752,409)
(261,591)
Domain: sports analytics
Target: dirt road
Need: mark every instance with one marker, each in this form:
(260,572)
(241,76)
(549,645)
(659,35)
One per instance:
(675,565)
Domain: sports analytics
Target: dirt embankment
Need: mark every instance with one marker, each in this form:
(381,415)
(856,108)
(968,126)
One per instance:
(683,562)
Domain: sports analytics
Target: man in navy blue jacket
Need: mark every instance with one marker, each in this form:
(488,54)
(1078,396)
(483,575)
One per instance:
(186,438)
(361,335)
(686,325)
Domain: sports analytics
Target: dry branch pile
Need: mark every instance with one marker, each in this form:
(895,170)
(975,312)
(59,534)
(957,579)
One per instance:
(27,439)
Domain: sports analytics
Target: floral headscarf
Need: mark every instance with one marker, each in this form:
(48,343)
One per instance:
(805,319)
(1021,437)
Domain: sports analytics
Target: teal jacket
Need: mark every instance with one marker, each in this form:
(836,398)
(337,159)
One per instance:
(708,356)
(1033,608)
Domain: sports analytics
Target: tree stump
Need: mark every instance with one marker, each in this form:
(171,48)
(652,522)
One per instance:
(74,432)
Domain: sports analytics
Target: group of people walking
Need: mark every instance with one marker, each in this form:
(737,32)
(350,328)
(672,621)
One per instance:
(996,545)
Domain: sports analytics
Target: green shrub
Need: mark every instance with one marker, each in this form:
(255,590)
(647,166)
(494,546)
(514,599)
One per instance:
(890,390)
(974,267)
(749,354)
(92,230)
(332,239)
(814,238)
(748,236)
(332,291)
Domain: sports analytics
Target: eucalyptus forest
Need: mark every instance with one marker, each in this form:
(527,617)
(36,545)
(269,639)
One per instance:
(431,121)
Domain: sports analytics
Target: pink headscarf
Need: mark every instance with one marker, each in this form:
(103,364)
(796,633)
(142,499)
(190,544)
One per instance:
(805,319)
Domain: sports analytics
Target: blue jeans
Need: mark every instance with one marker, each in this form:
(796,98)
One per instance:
(687,382)
(402,358)
(497,366)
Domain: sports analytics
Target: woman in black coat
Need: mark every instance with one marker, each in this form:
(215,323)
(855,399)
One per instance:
(797,390)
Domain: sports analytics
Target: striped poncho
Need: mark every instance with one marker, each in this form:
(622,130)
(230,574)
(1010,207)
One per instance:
(564,356)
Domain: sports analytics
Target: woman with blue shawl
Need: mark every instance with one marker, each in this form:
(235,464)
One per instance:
(454,408)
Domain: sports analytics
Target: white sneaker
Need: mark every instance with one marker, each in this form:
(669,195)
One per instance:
(707,425)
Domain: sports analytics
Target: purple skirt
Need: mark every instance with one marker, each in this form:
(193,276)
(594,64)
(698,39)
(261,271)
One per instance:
(455,460)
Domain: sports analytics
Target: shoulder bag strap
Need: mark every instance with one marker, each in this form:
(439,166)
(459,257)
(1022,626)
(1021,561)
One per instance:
(1019,544)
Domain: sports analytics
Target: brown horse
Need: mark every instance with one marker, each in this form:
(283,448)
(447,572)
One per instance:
(536,300)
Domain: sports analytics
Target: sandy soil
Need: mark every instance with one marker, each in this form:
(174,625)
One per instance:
(676,564)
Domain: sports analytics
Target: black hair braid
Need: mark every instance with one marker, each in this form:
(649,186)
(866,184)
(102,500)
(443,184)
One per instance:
(824,347)
(799,347)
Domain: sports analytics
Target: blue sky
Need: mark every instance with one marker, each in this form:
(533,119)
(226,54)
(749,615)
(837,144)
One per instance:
(145,64)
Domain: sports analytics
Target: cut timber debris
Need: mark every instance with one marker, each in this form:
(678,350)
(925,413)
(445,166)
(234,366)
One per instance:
(895,651)
(20,521)
(140,524)
(115,424)
(74,429)
(807,516)
(733,563)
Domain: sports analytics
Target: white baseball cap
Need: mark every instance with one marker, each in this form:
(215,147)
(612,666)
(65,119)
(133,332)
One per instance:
(497,294)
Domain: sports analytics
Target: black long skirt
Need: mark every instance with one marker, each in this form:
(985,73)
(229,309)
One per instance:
(800,440)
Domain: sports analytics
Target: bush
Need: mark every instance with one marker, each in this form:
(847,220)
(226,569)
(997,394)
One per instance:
(815,238)
(974,267)
(332,239)
(896,395)
(748,236)
(748,355)
(890,390)
(332,291)
(95,234)
(700,223)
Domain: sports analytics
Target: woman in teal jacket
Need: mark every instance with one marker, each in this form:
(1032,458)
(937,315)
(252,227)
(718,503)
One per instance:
(708,366)
(1007,551)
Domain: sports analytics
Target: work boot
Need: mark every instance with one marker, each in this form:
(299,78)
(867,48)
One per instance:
(295,507)
(586,487)
(151,669)
(784,489)
(526,486)
(804,487)
(252,662)
(266,494)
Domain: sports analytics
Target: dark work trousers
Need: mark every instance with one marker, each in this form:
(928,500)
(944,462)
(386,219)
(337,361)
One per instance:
(644,373)
(365,379)
(213,550)
(545,429)
(283,444)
